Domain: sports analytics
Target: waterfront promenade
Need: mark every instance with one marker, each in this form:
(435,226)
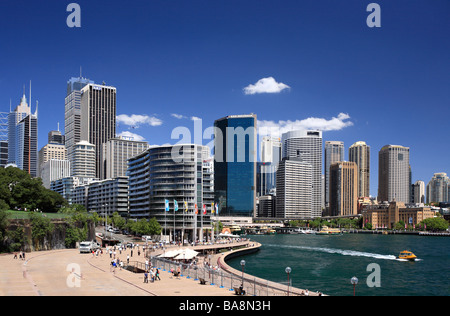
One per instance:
(68,273)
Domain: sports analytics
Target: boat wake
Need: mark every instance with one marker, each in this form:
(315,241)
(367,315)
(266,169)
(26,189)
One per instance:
(342,252)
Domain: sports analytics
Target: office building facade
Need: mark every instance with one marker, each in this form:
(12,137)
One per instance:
(54,169)
(394,174)
(359,153)
(98,118)
(83,160)
(235,154)
(418,192)
(438,188)
(334,152)
(307,146)
(294,189)
(343,189)
(115,155)
(72,113)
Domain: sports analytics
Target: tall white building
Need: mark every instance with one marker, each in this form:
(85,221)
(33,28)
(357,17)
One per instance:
(307,146)
(294,189)
(54,169)
(83,160)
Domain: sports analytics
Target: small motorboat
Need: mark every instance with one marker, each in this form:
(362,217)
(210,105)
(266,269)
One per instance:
(407,255)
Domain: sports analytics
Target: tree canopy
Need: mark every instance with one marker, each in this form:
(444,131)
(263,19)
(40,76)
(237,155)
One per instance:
(18,190)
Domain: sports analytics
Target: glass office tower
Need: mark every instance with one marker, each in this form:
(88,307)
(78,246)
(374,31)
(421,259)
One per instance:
(235,148)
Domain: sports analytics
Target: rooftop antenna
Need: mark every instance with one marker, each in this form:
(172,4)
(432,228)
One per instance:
(30,95)
(81,72)
(58,126)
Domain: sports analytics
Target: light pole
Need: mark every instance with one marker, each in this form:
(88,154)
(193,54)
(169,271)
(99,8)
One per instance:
(288,271)
(242,265)
(354,281)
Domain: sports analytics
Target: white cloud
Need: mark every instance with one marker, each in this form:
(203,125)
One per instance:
(266,85)
(312,123)
(134,136)
(135,120)
(178,116)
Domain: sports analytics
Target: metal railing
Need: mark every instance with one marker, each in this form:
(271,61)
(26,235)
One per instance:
(203,274)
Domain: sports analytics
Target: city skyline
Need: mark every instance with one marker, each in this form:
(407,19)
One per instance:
(172,64)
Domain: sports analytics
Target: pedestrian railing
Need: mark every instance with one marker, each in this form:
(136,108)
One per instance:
(218,277)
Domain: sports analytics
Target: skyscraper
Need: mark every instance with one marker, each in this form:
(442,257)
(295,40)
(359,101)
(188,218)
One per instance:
(394,182)
(98,117)
(343,188)
(72,116)
(27,144)
(438,188)
(359,153)
(14,117)
(267,168)
(307,146)
(334,152)
(294,189)
(418,192)
(235,149)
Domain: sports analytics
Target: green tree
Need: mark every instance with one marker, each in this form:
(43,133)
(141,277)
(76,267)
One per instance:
(435,224)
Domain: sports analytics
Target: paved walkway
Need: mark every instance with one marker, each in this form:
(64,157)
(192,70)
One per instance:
(48,273)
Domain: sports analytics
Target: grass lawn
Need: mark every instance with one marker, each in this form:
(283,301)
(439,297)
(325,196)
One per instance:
(25,215)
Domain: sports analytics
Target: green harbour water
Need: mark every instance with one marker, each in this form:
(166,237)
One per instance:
(327,263)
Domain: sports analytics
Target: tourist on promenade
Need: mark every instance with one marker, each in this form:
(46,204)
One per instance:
(145,276)
(157,275)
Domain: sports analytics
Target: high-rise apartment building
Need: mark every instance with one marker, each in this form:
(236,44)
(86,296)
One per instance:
(334,152)
(235,156)
(172,173)
(307,146)
(116,153)
(359,153)
(394,174)
(438,188)
(343,189)
(72,116)
(294,189)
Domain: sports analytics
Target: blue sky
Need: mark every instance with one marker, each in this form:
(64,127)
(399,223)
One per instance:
(387,85)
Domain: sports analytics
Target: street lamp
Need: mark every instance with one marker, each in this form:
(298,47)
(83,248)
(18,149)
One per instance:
(354,281)
(242,265)
(288,271)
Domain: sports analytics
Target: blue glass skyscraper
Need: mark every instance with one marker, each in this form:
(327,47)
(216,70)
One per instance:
(235,149)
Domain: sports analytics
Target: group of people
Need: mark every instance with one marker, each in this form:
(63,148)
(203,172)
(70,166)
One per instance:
(21,255)
(154,275)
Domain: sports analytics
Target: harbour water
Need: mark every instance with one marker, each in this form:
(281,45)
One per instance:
(327,263)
